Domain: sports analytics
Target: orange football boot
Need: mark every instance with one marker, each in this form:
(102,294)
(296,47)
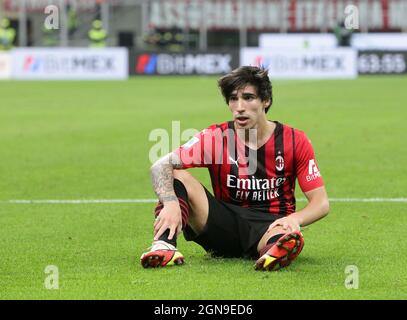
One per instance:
(281,253)
(161,254)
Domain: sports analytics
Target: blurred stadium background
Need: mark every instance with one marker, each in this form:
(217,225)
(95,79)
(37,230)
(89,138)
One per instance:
(204,37)
(73,151)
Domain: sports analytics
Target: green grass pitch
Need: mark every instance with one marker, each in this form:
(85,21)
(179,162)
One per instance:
(90,140)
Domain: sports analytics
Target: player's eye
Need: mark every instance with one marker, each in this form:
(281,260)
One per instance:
(233,98)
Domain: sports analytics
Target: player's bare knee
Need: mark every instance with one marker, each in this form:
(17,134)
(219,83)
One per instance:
(196,193)
(191,184)
(183,176)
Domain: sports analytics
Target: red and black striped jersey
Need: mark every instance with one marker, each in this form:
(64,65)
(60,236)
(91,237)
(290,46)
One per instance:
(262,179)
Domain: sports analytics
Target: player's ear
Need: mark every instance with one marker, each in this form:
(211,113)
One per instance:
(265,104)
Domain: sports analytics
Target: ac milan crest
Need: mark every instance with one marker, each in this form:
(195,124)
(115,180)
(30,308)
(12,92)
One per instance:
(279,163)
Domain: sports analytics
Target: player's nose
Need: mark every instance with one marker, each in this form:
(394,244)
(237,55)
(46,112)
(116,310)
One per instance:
(240,105)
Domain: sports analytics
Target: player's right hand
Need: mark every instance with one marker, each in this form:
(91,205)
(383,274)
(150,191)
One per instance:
(169,218)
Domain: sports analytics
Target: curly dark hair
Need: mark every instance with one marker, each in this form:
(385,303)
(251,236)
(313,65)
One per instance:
(247,75)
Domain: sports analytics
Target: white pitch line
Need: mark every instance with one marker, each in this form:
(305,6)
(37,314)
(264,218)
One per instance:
(82,201)
(365,199)
(112,201)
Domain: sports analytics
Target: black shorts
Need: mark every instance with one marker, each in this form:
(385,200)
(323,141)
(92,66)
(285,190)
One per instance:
(231,231)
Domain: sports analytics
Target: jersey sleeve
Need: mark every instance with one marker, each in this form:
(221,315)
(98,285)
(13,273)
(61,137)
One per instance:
(201,150)
(308,174)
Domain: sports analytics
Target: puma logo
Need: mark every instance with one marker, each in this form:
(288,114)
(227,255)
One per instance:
(236,162)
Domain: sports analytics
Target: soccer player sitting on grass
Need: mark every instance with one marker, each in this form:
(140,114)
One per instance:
(253,165)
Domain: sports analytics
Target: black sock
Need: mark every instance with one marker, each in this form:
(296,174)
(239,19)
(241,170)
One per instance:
(269,243)
(165,235)
(274,239)
(182,195)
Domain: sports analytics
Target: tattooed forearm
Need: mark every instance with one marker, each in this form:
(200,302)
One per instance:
(168,198)
(163,178)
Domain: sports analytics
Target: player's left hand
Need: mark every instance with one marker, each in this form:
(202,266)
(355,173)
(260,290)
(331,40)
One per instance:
(287,223)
